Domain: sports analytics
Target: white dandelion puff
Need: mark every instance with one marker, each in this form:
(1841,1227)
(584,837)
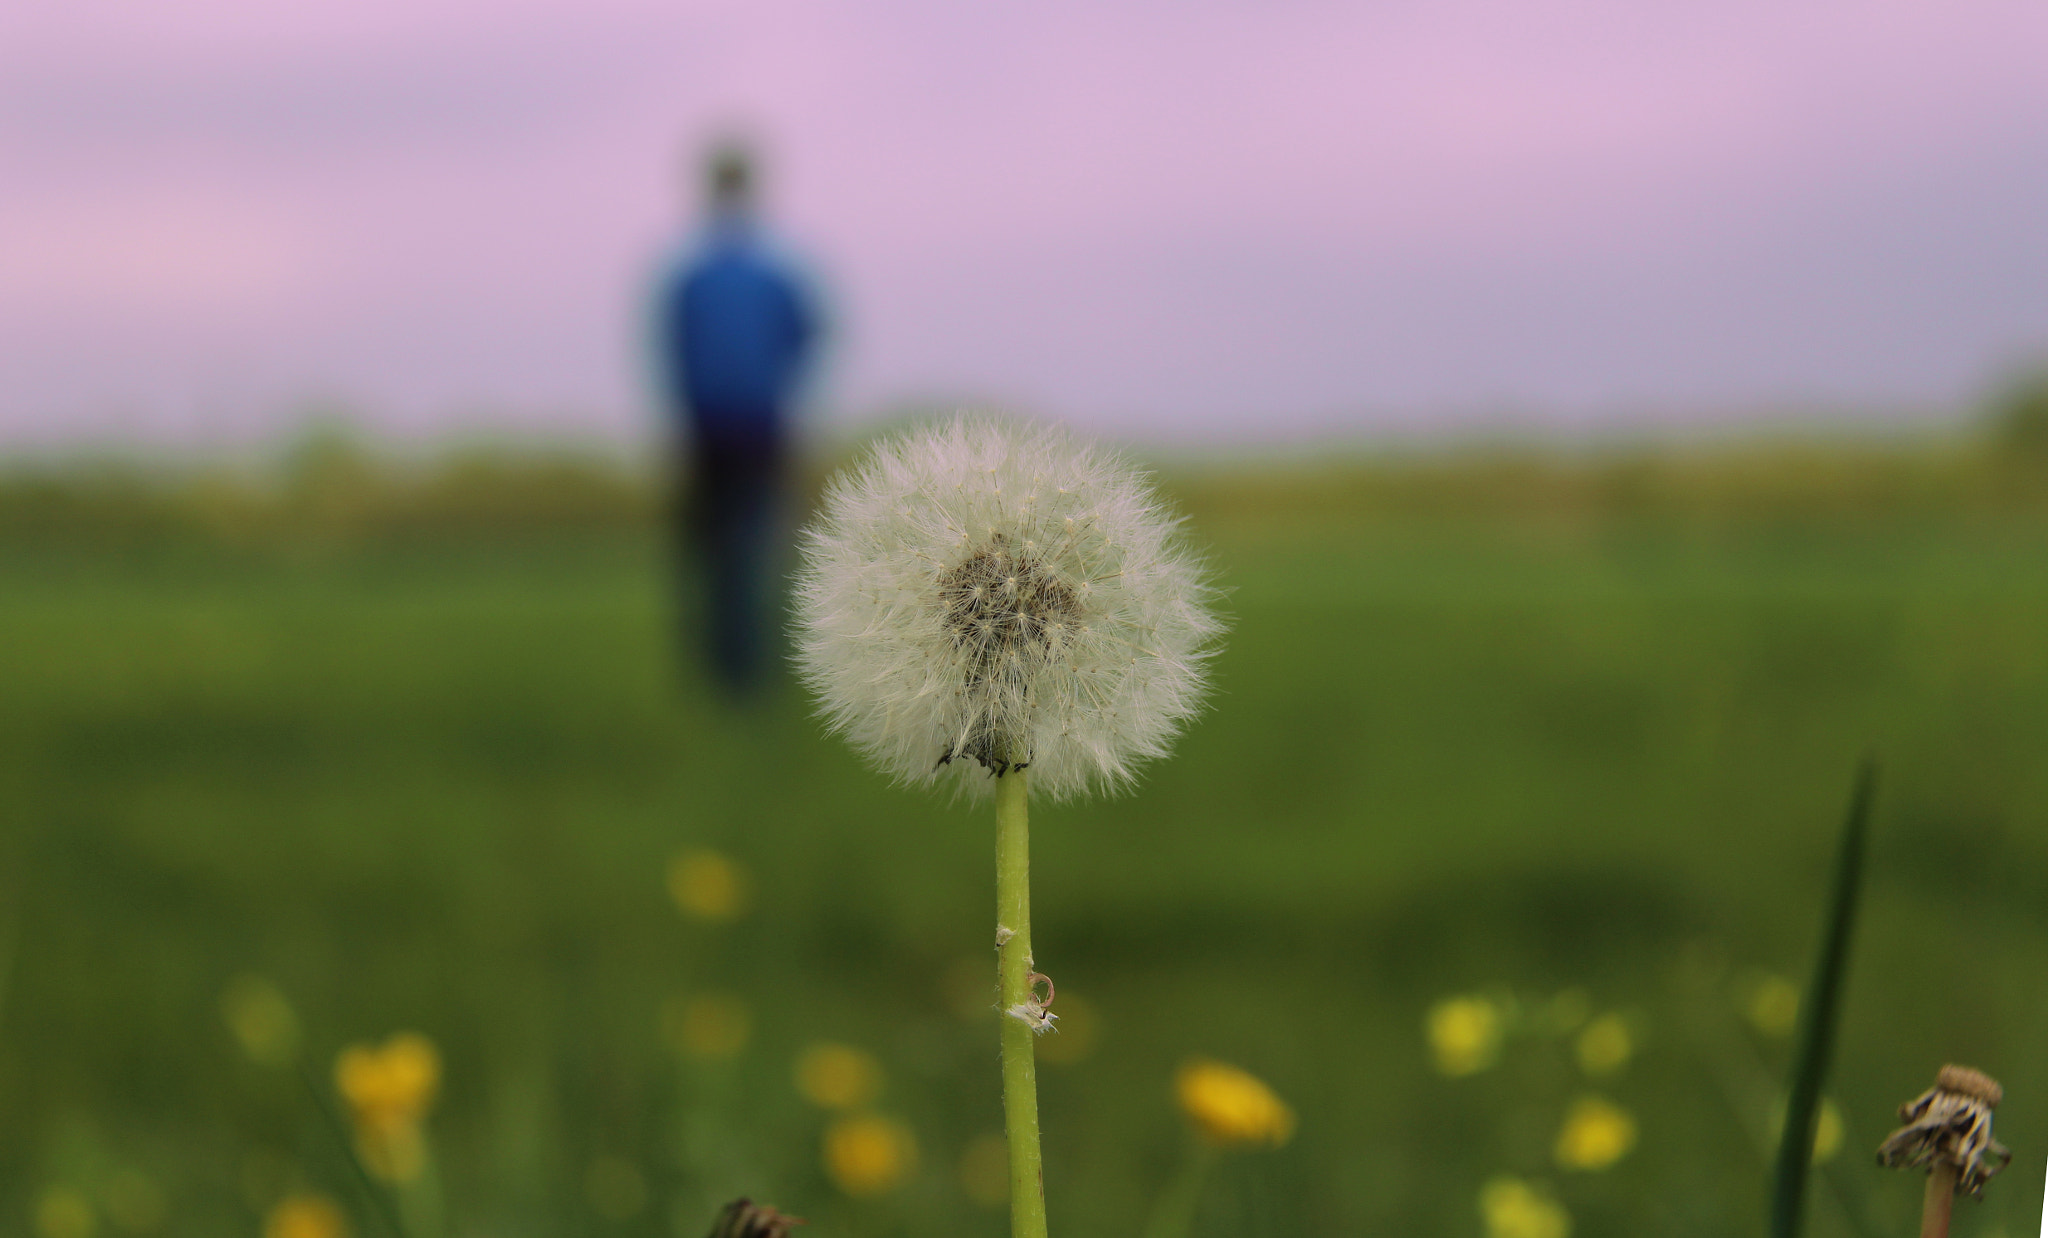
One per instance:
(983,594)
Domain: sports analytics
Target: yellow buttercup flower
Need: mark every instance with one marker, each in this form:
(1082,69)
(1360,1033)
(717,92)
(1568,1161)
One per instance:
(869,1154)
(1605,1045)
(1515,1209)
(1465,1034)
(305,1216)
(1229,1106)
(709,886)
(1596,1134)
(836,1076)
(389,1089)
(389,1084)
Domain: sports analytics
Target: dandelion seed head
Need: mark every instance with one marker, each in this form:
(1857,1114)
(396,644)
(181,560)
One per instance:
(981,596)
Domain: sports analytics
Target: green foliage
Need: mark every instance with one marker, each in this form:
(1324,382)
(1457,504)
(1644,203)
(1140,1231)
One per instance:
(2019,419)
(420,752)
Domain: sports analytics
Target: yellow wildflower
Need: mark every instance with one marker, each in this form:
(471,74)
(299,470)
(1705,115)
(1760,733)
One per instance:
(1596,1133)
(709,886)
(869,1154)
(709,1026)
(1605,1045)
(392,1084)
(836,1076)
(1515,1209)
(1229,1106)
(389,1089)
(305,1216)
(1772,1006)
(1827,1132)
(1465,1034)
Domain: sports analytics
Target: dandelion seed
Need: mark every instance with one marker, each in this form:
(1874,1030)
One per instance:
(980,597)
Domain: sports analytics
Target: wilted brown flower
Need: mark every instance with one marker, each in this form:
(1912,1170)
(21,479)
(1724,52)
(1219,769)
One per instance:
(1949,1126)
(743,1218)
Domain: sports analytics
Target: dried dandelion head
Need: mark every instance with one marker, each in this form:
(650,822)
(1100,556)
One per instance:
(743,1218)
(981,594)
(1950,1124)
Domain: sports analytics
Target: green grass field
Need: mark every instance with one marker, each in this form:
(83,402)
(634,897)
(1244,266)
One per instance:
(419,754)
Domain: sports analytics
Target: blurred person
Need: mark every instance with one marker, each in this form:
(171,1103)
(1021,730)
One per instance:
(736,326)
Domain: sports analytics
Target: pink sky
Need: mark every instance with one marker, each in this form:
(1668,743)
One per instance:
(1224,221)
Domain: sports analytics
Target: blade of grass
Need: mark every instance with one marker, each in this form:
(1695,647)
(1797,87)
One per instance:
(1818,1013)
(380,1202)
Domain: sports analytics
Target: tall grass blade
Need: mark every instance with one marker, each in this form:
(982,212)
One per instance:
(1818,1013)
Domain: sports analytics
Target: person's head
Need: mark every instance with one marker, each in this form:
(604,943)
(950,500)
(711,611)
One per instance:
(729,178)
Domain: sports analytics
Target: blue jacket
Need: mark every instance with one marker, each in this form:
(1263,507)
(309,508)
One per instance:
(734,327)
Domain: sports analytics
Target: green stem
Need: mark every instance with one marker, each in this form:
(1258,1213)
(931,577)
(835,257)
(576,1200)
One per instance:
(1013,954)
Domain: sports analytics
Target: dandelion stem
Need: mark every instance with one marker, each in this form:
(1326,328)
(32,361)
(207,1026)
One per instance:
(1020,1066)
(1939,1199)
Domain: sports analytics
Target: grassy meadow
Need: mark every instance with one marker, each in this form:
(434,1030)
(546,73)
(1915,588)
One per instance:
(1544,752)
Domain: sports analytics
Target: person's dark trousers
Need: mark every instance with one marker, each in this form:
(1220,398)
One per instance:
(729,516)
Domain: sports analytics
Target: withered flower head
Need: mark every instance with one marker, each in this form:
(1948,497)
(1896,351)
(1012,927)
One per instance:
(743,1218)
(1950,1124)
